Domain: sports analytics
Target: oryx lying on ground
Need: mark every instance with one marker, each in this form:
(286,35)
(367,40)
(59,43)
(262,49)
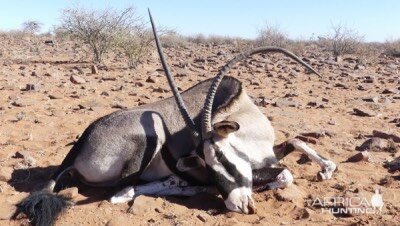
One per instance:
(159,143)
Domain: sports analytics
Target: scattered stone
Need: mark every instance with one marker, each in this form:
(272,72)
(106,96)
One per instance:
(28,159)
(202,217)
(94,69)
(79,70)
(304,159)
(139,84)
(6,173)
(118,105)
(49,42)
(285,103)
(307,139)
(361,156)
(23,102)
(30,87)
(55,96)
(77,80)
(359,67)
(151,80)
(7,210)
(363,112)
(108,78)
(371,99)
(377,144)
(143,205)
(389,91)
(393,165)
(315,135)
(341,85)
(385,135)
(69,192)
(34,74)
(182,73)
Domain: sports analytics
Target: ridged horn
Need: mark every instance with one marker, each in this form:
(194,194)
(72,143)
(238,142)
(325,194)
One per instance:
(178,98)
(206,120)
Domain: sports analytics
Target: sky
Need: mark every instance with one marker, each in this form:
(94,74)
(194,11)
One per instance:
(376,20)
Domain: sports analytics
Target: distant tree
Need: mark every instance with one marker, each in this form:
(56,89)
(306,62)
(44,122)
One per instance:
(31,26)
(100,29)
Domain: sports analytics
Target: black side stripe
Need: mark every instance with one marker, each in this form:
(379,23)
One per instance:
(171,163)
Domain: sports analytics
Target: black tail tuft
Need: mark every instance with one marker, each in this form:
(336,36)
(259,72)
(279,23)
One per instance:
(43,207)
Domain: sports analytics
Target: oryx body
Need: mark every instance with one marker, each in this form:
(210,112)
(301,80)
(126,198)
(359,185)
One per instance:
(158,143)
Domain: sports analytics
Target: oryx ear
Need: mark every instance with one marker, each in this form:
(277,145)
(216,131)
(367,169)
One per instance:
(189,163)
(224,128)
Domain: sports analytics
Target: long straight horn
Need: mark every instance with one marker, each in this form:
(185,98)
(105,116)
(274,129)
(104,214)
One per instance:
(206,120)
(178,98)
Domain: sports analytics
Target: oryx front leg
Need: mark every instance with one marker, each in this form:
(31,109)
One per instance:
(271,178)
(153,188)
(328,167)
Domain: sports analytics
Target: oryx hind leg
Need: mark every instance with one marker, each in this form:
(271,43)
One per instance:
(328,167)
(173,185)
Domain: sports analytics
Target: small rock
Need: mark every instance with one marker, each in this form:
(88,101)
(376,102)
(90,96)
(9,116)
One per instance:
(143,205)
(56,95)
(363,112)
(23,102)
(393,165)
(389,91)
(151,80)
(285,103)
(307,139)
(108,78)
(371,99)
(34,74)
(70,192)
(7,210)
(361,156)
(28,159)
(202,217)
(377,145)
(30,87)
(79,70)
(77,80)
(315,135)
(385,135)
(95,70)
(359,67)
(341,85)
(6,173)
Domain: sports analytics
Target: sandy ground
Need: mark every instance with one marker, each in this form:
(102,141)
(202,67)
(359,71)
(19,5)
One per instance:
(38,126)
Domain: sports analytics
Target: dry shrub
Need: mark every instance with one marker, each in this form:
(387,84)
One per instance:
(174,40)
(392,47)
(272,36)
(198,39)
(297,47)
(368,53)
(342,40)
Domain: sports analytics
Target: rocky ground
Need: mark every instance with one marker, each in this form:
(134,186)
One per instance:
(50,94)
